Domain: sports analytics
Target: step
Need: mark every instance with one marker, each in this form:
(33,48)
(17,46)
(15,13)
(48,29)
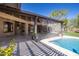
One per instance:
(35,50)
(56,51)
(48,51)
(22,49)
(51,52)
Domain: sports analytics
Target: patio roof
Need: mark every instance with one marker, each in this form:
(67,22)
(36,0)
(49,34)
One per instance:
(41,16)
(28,13)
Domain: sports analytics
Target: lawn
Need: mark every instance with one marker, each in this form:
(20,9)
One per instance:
(72,34)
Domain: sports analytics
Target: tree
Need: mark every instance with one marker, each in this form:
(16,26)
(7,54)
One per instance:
(65,24)
(73,23)
(77,21)
(59,14)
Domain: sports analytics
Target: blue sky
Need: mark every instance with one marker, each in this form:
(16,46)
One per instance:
(46,8)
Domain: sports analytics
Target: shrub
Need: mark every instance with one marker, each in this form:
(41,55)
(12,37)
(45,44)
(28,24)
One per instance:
(9,50)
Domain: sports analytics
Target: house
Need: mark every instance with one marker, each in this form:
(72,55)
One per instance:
(14,21)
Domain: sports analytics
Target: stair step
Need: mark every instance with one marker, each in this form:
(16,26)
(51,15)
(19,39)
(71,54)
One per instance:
(48,51)
(24,51)
(35,49)
(51,52)
(32,48)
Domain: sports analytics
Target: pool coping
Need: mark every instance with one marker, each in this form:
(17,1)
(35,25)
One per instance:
(63,50)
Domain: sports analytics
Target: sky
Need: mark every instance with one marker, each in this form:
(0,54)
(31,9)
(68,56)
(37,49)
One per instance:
(46,8)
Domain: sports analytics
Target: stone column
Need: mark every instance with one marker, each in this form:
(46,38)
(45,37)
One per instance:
(62,29)
(26,28)
(47,27)
(35,25)
(35,29)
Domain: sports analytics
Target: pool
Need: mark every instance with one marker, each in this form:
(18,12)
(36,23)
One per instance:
(71,44)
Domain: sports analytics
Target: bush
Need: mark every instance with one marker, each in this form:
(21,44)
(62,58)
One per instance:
(9,50)
(77,31)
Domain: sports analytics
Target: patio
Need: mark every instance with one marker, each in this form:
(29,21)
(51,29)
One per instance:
(25,46)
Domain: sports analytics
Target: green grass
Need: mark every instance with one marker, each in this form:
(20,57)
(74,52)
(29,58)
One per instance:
(72,34)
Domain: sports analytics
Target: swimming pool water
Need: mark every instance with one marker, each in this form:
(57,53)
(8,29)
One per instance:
(68,43)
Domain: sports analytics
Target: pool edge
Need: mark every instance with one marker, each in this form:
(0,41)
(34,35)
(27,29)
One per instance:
(63,50)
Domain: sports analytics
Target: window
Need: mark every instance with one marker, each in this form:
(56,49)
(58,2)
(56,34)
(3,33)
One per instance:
(8,27)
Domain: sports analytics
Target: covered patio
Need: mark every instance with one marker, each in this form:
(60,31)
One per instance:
(42,27)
